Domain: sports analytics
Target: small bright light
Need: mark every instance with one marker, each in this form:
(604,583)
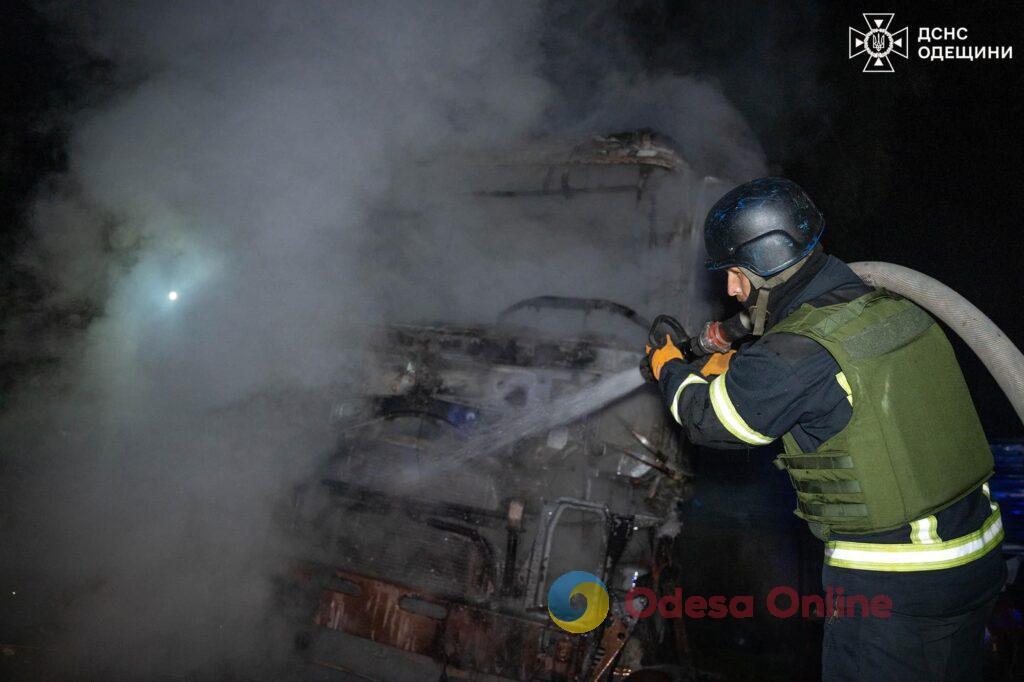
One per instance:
(172,296)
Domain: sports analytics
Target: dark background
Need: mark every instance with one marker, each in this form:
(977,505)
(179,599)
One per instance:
(919,167)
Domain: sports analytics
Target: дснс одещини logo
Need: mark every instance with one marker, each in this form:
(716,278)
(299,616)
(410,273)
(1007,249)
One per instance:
(878,43)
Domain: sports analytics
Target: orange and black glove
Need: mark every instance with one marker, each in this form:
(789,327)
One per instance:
(717,364)
(655,358)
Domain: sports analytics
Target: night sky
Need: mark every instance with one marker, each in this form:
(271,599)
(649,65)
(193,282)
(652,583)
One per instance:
(920,167)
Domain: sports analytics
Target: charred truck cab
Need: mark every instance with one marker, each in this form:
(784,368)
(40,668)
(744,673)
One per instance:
(433,572)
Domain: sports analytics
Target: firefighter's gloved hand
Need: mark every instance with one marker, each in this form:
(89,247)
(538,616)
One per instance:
(655,358)
(717,364)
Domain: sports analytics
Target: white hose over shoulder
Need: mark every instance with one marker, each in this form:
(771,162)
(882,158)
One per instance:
(1003,359)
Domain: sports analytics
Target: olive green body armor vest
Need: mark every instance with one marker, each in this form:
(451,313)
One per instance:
(914,444)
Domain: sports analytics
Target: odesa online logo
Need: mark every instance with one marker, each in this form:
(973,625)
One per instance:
(577,620)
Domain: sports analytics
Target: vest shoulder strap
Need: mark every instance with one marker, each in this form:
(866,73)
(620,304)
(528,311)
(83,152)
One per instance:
(872,325)
(822,322)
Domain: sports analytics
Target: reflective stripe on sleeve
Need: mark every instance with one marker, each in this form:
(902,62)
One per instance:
(845,384)
(917,556)
(692,379)
(730,418)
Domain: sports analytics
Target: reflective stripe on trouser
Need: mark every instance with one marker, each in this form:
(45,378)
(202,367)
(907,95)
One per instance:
(730,418)
(919,556)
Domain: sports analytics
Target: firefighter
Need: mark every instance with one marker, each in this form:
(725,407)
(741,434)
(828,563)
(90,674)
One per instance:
(880,438)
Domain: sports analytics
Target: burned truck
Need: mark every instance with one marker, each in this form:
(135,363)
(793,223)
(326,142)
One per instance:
(434,555)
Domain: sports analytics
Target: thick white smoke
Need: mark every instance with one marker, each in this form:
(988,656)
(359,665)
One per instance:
(248,162)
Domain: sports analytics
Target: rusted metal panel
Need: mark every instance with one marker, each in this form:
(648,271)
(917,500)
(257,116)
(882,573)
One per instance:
(462,636)
(374,613)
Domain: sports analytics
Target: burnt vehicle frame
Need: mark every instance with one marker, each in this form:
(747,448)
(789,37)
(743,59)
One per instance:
(477,607)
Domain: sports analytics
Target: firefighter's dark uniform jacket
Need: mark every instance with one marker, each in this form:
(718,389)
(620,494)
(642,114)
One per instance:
(787,383)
